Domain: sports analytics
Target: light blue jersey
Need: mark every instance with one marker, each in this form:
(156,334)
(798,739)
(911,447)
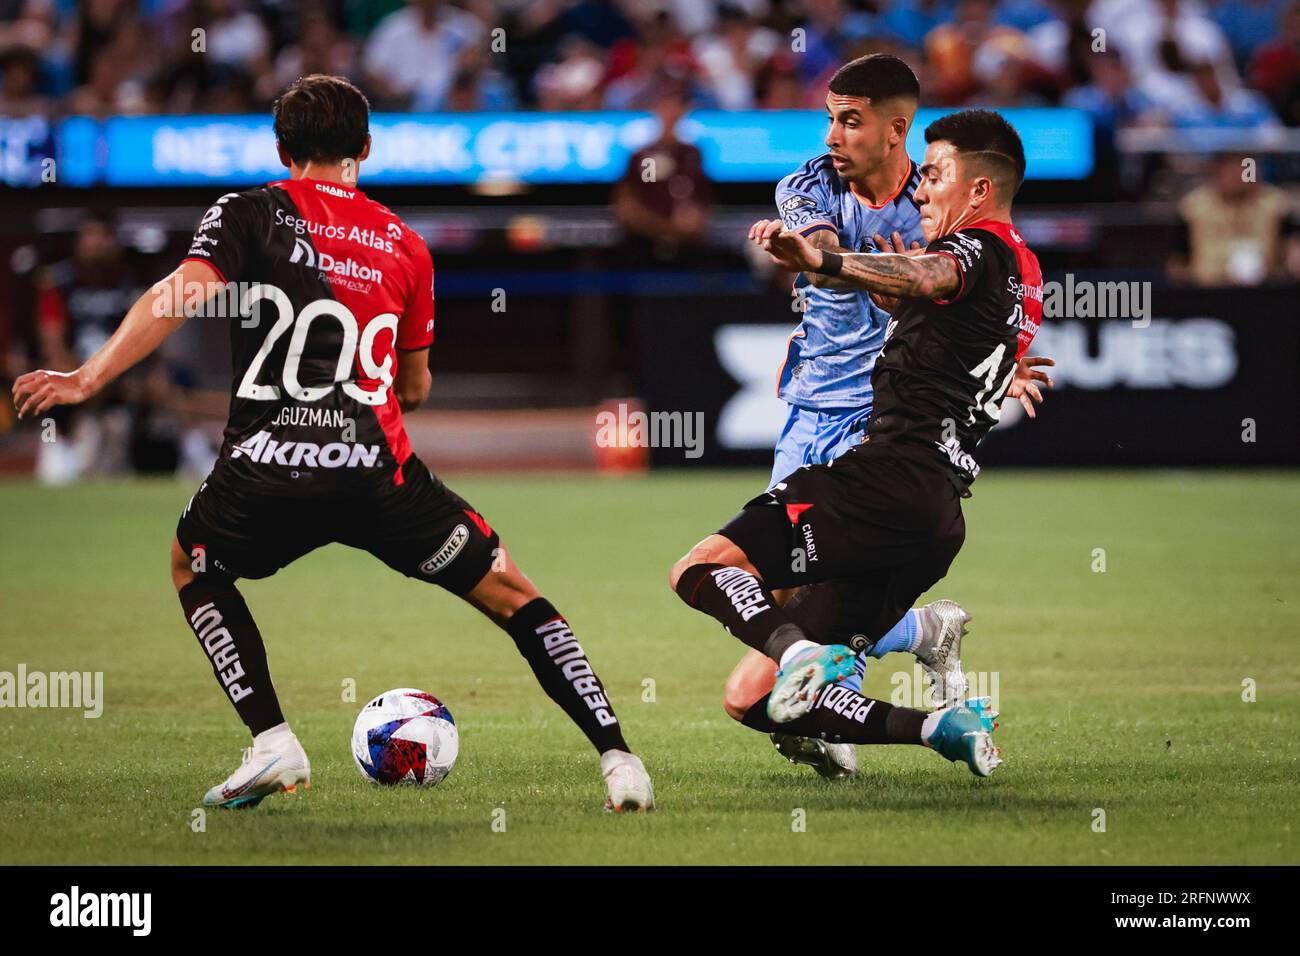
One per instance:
(826,377)
(834,349)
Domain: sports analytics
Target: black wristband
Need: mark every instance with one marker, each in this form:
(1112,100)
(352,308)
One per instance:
(832,263)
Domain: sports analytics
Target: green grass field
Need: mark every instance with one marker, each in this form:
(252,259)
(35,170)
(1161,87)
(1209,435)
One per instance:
(1119,690)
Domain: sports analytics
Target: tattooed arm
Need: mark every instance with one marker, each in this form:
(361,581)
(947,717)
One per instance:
(929,276)
(827,241)
(885,273)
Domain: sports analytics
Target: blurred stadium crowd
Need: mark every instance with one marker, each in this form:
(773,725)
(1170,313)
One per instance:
(1188,63)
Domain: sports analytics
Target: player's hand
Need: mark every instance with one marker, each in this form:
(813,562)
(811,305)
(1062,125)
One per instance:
(41,390)
(759,229)
(788,249)
(1024,384)
(893,244)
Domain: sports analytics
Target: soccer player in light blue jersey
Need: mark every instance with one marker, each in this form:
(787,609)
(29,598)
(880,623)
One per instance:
(857,197)
(845,203)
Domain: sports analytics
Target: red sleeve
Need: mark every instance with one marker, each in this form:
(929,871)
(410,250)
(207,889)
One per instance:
(415,326)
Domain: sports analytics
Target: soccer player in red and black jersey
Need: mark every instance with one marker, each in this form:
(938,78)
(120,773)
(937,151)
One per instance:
(331,344)
(885,518)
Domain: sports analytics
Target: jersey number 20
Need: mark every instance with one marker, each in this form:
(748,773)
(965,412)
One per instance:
(359,345)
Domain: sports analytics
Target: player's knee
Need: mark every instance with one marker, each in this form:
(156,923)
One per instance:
(712,550)
(737,698)
(182,569)
(678,569)
(747,684)
(734,706)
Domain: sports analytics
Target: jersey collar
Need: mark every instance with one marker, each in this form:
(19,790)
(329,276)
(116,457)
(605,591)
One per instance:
(907,178)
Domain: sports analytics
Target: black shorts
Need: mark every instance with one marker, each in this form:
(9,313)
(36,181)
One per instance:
(421,528)
(884,523)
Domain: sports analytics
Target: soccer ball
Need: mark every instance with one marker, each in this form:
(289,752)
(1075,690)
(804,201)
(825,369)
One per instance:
(405,736)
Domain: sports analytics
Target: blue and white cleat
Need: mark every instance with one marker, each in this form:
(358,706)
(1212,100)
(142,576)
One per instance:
(265,770)
(965,732)
(807,673)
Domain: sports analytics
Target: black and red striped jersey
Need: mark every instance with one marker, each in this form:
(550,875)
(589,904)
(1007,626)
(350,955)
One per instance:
(946,365)
(330,285)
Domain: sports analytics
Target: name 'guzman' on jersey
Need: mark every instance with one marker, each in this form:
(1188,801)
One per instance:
(947,364)
(833,351)
(333,284)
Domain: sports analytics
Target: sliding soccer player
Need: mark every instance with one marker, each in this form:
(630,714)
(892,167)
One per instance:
(848,200)
(885,517)
(338,294)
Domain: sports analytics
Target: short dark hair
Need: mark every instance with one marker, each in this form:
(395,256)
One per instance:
(986,138)
(878,76)
(321,118)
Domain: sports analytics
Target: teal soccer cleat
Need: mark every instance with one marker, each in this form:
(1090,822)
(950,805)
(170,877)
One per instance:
(965,732)
(808,672)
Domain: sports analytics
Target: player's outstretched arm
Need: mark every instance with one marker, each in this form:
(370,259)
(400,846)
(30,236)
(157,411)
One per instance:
(892,274)
(822,239)
(885,273)
(827,241)
(156,314)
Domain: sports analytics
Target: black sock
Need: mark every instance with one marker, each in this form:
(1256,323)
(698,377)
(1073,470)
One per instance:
(743,604)
(840,716)
(229,636)
(560,664)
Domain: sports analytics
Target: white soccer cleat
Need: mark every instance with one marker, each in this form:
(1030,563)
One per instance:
(943,625)
(272,767)
(628,783)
